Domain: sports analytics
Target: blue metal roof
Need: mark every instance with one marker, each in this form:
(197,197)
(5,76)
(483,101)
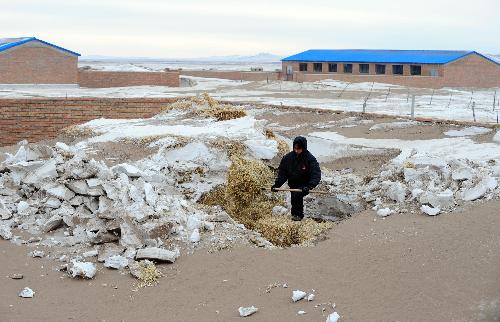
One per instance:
(382,56)
(6,43)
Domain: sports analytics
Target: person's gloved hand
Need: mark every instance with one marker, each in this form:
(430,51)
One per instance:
(273,188)
(305,191)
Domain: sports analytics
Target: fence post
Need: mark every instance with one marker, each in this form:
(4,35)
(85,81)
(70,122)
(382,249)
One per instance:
(388,93)
(494,99)
(364,105)
(432,96)
(408,95)
(474,111)
(413,106)
(449,102)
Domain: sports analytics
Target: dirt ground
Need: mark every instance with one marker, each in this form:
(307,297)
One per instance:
(402,268)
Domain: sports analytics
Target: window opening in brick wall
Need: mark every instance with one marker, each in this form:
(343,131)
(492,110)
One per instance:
(364,68)
(332,68)
(317,67)
(380,69)
(397,69)
(348,68)
(415,70)
(303,67)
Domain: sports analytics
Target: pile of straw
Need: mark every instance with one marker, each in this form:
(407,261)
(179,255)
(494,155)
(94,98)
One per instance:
(206,106)
(77,131)
(149,274)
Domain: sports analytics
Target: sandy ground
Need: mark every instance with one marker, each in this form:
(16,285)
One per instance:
(402,268)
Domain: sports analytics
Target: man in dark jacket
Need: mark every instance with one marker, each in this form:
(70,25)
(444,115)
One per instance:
(302,171)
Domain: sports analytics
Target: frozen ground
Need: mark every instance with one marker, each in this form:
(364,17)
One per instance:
(449,104)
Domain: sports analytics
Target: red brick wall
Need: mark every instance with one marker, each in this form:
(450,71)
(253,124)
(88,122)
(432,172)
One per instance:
(37,63)
(472,71)
(38,119)
(98,79)
(233,75)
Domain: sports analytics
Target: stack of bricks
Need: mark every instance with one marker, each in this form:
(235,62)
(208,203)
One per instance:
(39,119)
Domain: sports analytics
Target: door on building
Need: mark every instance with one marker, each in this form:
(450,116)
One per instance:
(289,73)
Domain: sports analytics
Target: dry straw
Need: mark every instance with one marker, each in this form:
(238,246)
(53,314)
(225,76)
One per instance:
(149,274)
(207,106)
(78,131)
(243,198)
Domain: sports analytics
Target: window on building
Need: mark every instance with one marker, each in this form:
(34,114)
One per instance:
(364,68)
(348,68)
(380,69)
(303,67)
(434,73)
(415,70)
(317,67)
(397,69)
(332,68)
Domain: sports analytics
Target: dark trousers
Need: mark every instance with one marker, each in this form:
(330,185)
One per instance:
(297,204)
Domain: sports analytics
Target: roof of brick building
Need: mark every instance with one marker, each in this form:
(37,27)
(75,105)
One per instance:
(382,56)
(6,43)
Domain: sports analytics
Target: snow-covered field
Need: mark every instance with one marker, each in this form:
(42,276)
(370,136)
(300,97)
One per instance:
(448,103)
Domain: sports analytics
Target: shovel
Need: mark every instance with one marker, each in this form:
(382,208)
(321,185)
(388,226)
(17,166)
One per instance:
(298,190)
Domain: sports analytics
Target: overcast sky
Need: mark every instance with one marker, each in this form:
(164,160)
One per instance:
(196,28)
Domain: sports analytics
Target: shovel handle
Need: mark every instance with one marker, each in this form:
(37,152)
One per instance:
(298,190)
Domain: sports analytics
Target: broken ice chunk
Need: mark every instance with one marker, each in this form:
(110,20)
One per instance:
(430,210)
(26,293)
(82,269)
(384,212)
(247,311)
(334,317)
(298,295)
(116,262)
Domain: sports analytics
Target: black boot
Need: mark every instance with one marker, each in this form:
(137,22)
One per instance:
(297,206)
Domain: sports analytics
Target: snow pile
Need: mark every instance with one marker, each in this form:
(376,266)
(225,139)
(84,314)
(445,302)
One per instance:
(430,175)
(142,209)
(431,184)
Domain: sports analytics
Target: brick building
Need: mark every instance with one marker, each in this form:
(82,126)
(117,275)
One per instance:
(34,61)
(414,68)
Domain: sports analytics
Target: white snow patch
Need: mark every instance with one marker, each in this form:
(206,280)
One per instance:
(298,295)
(468,131)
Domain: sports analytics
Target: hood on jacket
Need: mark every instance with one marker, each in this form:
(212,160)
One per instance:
(301,142)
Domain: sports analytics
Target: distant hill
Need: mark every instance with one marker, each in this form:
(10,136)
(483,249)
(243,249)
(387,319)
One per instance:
(258,58)
(261,57)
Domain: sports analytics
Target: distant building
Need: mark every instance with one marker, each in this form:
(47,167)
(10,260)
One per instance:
(414,68)
(30,60)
